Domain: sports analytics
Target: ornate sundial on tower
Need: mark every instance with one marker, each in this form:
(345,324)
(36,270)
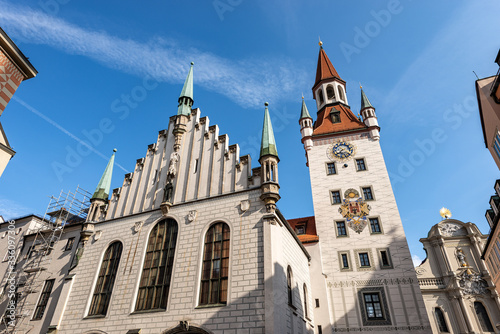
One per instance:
(341,151)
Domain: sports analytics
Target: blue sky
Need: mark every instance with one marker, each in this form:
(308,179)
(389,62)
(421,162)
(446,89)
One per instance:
(110,74)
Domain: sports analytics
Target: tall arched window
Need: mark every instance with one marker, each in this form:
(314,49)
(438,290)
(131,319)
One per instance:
(441,322)
(215,270)
(106,279)
(157,271)
(330,92)
(289,284)
(341,93)
(306,311)
(482,317)
(320,95)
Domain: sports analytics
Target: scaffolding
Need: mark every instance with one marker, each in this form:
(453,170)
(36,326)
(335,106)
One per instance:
(67,208)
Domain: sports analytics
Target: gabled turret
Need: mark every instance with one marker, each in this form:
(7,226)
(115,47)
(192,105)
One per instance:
(184,109)
(100,197)
(269,164)
(369,117)
(306,126)
(328,88)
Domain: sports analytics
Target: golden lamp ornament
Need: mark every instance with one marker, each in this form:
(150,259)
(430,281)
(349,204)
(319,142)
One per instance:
(445,213)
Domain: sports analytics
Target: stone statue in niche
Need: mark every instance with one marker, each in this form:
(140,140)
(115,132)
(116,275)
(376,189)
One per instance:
(462,260)
(172,166)
(167,192)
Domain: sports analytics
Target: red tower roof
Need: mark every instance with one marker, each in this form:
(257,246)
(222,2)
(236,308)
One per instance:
(348,122)
(325,69)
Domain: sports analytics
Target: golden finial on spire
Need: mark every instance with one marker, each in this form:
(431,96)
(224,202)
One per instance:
(320,42)
(361,87)
(445,213)
(302,96)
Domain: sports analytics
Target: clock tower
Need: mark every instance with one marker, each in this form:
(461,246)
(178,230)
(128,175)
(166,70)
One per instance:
(366,267)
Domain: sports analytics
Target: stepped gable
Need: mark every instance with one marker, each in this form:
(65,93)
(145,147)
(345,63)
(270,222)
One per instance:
(208,166)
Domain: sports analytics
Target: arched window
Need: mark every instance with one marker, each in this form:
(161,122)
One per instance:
(441,322)
(320,95)
(330,92)
(215,270)
(289,284)
(341,93)
(106,279)
(482,317)
(157,271)
(305,302)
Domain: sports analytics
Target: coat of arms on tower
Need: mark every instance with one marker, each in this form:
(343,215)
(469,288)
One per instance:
(354,210)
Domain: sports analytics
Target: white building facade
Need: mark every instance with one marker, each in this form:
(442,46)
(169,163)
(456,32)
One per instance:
(365,264)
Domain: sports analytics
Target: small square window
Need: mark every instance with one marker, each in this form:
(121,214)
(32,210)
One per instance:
(364,260)
(330,168)
(69,244)
(360,164)
(335,115)
(300,229)
(341,229)
(336,199)
(317,302)
(367,193)
(375,225)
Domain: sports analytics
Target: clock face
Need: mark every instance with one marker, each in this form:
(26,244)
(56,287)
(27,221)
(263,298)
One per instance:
(341,151)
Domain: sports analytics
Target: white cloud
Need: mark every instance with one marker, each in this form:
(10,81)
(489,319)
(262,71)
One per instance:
(247,82)
(416,260)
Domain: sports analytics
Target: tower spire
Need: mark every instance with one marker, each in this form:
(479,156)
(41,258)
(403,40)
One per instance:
(270,188)
(325,68)
(369,116)
(186,98)
(102,190)
(365,103)
(268,143)
(304,113)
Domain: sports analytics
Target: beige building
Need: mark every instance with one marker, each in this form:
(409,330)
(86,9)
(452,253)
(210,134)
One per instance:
(458,291)
(192,242)
(14,68)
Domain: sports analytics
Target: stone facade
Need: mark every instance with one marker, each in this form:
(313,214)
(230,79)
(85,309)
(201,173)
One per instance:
(455,282)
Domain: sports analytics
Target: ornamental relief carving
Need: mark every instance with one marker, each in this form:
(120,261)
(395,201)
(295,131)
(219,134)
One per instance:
(451,229)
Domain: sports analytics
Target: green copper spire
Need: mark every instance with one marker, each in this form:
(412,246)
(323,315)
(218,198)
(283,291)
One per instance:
(268,144)
(102,190)
(186,98)
(304,113)
(365,103)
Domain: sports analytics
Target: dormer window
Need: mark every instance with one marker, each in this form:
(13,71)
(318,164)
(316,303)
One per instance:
(300,228)
(330,92)
(335,115)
